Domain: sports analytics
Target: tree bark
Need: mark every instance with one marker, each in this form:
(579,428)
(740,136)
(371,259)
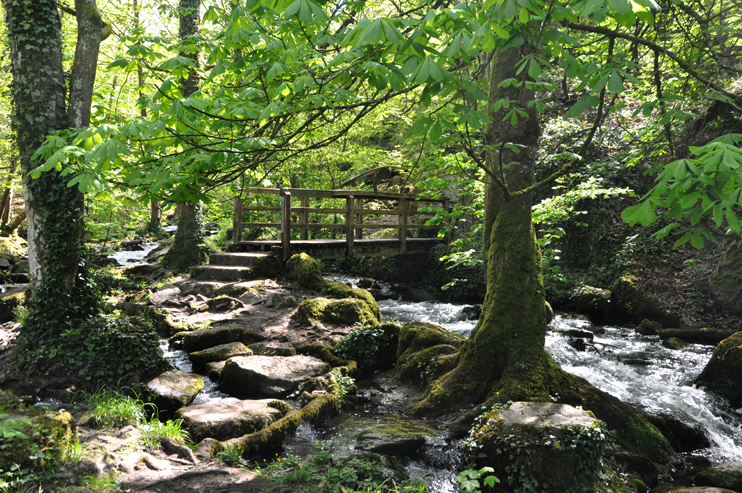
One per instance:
(187,250)
(154,217)
(7,200)
(505,353)
(82,79)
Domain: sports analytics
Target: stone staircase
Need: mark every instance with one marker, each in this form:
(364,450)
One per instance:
(235,267)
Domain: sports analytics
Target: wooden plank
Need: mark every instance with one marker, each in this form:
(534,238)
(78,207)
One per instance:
(349,222)
(319,226)
(256,208)
(286,224)
(304,217)
(237,221)
(268,191)
(261,225)
(402,226)
(358,210)
(377,226)
(313,194)
(318,210)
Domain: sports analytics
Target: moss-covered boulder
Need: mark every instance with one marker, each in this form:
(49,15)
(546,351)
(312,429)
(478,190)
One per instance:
(13,245)
(631,304)
(218,353)
(727,475)
(45,432)
(674,343)
(215,336)
(339,290)
(725,282)
(227,418)
(172,390)
(9,301)
(723,373)
(556,446)
(649,327)
(214,369)
(304,270)
(696,335)
(593,302)
(425,351)
(349,311)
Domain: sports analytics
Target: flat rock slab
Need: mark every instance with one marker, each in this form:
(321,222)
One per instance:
(690,489)
(215,336)
(218,353)
(543,417)
(269,376)
(227,418)
(174,389)
(214,369)
(727,475)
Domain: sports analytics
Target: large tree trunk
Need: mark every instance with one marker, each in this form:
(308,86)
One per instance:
(505,353)
(54,210)
(187,247)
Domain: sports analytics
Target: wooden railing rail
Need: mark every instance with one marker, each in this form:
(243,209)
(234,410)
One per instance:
(353,213)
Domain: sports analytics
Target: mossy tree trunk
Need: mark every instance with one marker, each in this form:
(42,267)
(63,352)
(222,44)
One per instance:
(54,210)
(505,353)
(187,250)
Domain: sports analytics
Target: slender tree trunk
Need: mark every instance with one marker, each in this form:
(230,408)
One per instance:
(7,199)
(154,217)
(187,250)
(505,352)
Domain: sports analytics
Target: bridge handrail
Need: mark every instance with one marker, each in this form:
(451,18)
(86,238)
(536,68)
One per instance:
(353,213)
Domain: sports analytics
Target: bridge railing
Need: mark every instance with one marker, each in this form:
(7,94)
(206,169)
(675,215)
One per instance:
(353,212)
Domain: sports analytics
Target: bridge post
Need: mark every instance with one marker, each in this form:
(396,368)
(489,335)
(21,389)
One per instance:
(359,218)
(402,226)
(286,224)
(349,225)
(304,219)
(237,222)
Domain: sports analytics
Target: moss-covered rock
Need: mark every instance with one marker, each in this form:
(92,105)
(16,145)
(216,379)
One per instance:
(593,302)
(696,335)
(417,336)
(649,327)
(723,373)
(556,446)
(349,311)
(725,282)
(425,351)
(727,475)
(215,336)
(173,390)
(305,271)
(9,301)
(228,418)
(339,290)
(674,343)
(631,304)
(13,245)
(218,353)
(46,432)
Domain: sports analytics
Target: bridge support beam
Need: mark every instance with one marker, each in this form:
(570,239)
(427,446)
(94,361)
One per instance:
(286,224)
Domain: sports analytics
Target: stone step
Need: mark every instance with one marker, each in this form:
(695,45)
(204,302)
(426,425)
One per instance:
(222,273)
(237,259)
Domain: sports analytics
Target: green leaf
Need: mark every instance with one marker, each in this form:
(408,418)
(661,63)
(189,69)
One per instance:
(534,70)
(615,83)
(696,240)
(621,6)
(642,213)
(577,109)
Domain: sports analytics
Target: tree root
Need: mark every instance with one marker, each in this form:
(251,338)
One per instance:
(185,475)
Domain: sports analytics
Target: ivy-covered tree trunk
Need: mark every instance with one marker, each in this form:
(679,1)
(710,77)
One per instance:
(54,210)
(187,249)
(505,353)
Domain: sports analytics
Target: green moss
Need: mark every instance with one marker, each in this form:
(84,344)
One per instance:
(305,271)
(10,302)
(324,352)
(340,290)
(674,343)
(428,363)
(630,303)
(335,312)
(722,373)
(47,433)
(418,336)
(13,245)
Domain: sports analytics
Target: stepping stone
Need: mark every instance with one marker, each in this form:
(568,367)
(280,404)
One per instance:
(728,475)
(269,376)
(218,353)
(215,336)
(227,418)
(174,389)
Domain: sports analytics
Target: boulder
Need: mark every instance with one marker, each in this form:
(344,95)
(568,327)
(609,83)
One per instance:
(416,295)
(682,437)
(556,446)
(158,252)
(674,343)
(305,271)
(9,301)
(227,418)
(649,327)
(215,336)
(214,369)
(335,312)
(164,294)
(238,289)
(388,434)
(173,390)
(145,271)
(723,373)
(340,290)
(696,335)
(725,282)
(223,304)
(727,476)
(269,376)
(593,302)
(631,304)
(218,353)
(422,351)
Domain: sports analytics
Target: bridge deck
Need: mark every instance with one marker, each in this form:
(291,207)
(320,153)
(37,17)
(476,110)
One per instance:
(332,249)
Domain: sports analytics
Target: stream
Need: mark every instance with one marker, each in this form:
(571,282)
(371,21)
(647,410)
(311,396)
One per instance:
(634,368)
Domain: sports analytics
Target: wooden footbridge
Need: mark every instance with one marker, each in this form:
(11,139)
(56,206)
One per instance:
(310,221)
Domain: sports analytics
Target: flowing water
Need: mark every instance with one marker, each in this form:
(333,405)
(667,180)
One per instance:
(124,257)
